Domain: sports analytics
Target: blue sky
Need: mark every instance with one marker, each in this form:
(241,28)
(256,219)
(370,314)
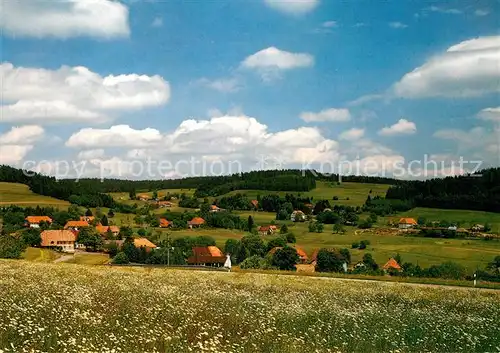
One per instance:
(225,80)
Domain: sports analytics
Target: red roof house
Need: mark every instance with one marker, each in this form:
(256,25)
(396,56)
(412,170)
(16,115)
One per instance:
(76,225)
(196,222)
(207,255)
(34,221)
(164,223)
(391,265)
(64,239)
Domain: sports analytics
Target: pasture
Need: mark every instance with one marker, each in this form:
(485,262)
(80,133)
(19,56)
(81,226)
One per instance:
(351,194)
(69,308)
(21,195)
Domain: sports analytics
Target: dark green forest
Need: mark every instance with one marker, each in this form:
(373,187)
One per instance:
(480,191)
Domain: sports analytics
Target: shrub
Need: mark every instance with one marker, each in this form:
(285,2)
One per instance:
(355,245)
(290,238)
(276,242)
(330,261)
(120,258)
(284,229)
(10,247)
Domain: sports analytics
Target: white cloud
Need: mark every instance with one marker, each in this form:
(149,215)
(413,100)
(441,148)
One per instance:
(226,85)
(490,114)
(91,154)
(450,11)
(116,136)
(481,12)
(53,111)
(75,93)
(268,62)
(294,7)
(329,24)
(331,114)
(467,69)
(157,22)
(397,25)
(17,142)
(12,154)
(65,18)
(402,127)
(24,135)
(352,134)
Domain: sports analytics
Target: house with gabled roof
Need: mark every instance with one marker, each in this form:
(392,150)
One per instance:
(392,264)
(207,256)
(76,225)
(144,243)
(196,222)
(88,219)
(103,230)
(298,216)
(407,223)
(164,223)
(34,221)
(62,239)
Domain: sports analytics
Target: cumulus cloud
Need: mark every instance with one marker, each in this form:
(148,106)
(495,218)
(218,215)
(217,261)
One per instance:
(490,114)
(116,136)
(271,61)
(91,154)
(53,111)
(331,114)
(402,127)
(65,18)
(75,93)
(17,142)
(352,134)
(450,11)
(467,69)
(295,7)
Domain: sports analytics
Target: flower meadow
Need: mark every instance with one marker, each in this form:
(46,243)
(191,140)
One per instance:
(77,308)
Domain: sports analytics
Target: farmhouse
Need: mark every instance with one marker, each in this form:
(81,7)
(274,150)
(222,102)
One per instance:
(196,222)
(255,204)
(298,216)
(391,265)
(164,204)
(75,225)
(207,255)
(407,223)
(103,230)
(63,239)
(164,223)
(144,243)
(88,219)
(215,208)
(477,228)
(267,230)
(34,221)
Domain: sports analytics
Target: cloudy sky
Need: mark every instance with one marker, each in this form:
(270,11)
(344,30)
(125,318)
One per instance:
(266,83)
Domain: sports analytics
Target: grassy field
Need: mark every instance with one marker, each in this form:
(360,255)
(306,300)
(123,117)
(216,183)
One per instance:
(40,255)
(465,218)
(19,194)
(68,308)
(123,196)
(352,194)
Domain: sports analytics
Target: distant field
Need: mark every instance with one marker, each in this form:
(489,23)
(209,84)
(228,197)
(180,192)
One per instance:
(89,259)
(465,218)
(123,196)
(352,194)
(19,194)
(68,308)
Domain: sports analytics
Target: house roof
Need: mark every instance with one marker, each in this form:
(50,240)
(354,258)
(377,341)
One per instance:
(197,221)
(255,203)
(164,222)
(143,242)
(144,196)
(104,229)
(51,237)
(408,221)
(391,264)
(164,203)
(264,228)
(206,254)
(38,219)
(87,218)
(76,224)
(214,207)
